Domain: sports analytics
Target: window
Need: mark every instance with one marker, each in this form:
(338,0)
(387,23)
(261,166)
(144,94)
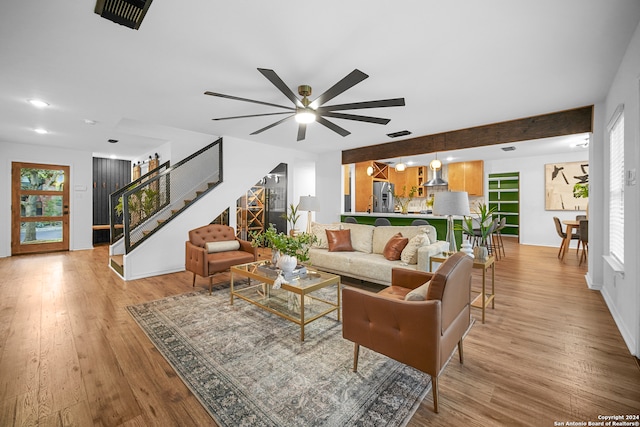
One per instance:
(616,185)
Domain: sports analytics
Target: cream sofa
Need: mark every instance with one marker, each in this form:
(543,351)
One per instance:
(366,261)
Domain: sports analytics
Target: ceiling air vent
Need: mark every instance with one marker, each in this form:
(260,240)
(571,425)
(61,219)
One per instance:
(129,13)
(510,148)
(399,134)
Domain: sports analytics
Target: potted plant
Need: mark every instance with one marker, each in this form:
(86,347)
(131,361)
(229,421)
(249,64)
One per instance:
(292,218)
(403,199)
(290,249)
(484,218)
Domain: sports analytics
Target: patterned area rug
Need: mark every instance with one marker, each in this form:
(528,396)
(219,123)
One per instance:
(248,367)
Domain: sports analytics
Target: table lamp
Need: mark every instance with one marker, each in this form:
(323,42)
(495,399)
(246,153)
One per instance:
(451,203)
(309,204)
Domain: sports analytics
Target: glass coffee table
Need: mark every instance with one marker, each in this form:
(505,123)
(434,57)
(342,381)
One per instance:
(298,301)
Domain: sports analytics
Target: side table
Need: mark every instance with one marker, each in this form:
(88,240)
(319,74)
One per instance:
(483,299)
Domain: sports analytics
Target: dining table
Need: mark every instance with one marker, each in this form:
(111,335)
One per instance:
(571,224)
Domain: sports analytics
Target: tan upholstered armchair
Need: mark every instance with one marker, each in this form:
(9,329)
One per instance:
(420,333)
(213,249)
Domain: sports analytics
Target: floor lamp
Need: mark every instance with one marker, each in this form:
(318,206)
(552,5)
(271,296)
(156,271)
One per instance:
(451,203)
(309,204)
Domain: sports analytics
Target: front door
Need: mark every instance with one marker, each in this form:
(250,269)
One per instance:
(39,208)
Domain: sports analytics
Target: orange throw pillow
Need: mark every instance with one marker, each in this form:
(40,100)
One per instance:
(395,245)
(339,240)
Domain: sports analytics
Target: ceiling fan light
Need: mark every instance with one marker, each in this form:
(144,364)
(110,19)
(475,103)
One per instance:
(305,115)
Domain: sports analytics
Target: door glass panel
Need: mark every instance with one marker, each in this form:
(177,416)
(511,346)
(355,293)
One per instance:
(31,206)
(40,232)
(41,179)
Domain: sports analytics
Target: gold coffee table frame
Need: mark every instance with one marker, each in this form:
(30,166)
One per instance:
(275,301)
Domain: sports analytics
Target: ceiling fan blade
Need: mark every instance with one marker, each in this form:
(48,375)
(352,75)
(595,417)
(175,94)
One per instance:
(302,131)
(395,102)
(277,82)
(237,98)
(334,127)
(356,117)
(352,79)
(252,115)
(271,125)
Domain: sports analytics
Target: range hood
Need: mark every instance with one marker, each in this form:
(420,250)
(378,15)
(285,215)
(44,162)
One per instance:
(436,180)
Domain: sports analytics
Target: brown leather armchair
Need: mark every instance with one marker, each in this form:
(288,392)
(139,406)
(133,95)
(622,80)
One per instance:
(421,334)
(205,263)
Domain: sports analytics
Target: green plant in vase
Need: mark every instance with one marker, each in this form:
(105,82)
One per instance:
(284,245)
(402,200)
(292,218)
(484,217)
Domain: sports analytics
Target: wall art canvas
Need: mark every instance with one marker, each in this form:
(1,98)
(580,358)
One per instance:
(566,186)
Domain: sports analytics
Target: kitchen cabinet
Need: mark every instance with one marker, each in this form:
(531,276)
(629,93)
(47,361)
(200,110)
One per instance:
(466,176)
(364,183)
(413,176)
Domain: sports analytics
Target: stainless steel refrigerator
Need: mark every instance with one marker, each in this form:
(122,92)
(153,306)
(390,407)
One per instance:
(383,197)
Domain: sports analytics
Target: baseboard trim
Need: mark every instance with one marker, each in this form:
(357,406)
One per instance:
(627,336)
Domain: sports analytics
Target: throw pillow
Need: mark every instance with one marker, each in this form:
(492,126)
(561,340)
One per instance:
(394,247)
(222,246)
(419,293)
(428,239)
(339,240)
(318,230)
(409,254)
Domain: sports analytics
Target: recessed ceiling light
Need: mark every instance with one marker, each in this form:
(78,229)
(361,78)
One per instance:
(41,131)
(113,156)
(38,103)
(89,122)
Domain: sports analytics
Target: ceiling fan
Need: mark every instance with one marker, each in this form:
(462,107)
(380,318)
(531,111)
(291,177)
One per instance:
(306,111)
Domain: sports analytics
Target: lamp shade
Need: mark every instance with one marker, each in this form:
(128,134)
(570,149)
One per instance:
(451,203)
(309,203)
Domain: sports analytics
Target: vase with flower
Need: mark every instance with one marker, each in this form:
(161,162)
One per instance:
(480,228)
(403,199)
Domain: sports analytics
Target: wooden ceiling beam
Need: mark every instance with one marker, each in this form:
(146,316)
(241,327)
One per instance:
(569,122)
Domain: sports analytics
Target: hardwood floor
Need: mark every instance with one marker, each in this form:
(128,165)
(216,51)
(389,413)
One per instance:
(71,355)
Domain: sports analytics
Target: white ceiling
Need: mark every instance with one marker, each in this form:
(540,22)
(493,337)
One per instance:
(457,63)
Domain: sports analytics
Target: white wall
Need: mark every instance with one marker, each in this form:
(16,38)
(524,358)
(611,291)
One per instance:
(622,293)
(80,194)
(302,182)
(329,187)
(536,223)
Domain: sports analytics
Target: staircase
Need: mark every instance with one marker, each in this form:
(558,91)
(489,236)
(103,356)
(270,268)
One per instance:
(157,198)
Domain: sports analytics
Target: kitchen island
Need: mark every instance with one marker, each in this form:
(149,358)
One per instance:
(439,222)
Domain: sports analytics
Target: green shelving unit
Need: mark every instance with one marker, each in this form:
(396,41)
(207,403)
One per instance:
(504,196)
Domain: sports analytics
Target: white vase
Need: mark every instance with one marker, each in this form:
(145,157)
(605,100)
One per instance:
(481,253)
(466,248)
(287,263)
(275,256)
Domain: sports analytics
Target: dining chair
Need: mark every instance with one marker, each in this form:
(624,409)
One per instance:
(381,221)
(563,235)
(584,238)
(497,237)
(419,222)
(350,220)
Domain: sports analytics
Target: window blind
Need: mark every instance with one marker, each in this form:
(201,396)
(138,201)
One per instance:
(616,186)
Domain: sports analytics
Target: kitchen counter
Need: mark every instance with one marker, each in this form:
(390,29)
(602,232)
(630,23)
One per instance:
(438,221)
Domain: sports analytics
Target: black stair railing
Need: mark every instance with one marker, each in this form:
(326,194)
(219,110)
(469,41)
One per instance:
(154,199)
